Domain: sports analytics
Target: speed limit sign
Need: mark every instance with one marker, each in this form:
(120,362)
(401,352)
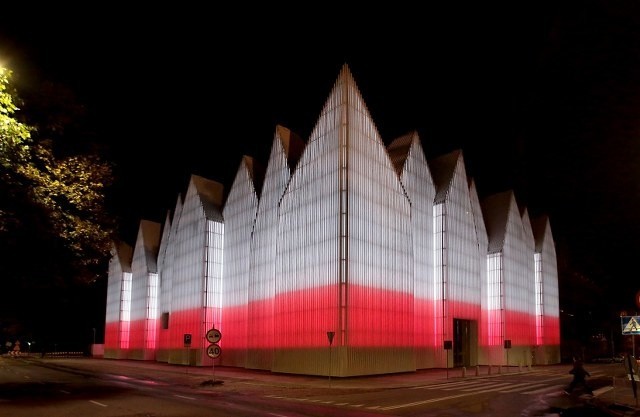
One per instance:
(213,350)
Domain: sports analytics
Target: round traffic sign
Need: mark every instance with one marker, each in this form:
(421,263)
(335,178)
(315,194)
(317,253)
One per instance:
(214,336)
(213,350)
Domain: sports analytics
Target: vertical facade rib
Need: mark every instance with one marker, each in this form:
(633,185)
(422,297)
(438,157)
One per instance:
(190,313)
(511,275)
(481,254)
(408,157)
(389,254)
(547,341)
(379,254)
(144,292)
(162,318)
(239,216)
(285,153)
(166,272)
(344,249)
(118,307)
(457,282)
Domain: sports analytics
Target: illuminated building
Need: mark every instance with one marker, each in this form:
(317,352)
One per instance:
(392,254)
(116,337)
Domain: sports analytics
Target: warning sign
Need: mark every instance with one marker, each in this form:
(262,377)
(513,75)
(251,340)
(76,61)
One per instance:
(630,324)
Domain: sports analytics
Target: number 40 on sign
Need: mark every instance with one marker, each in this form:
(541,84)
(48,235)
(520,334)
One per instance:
(213,337)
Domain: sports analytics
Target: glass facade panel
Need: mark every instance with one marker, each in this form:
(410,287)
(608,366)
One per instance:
(239,215)
(353,238)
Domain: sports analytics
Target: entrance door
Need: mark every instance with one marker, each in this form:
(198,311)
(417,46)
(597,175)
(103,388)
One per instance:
(461,342)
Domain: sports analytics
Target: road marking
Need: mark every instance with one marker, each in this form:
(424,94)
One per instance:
(64,392)
(470,384)
(467,394)
(277,415)
(538,391)
(97,403)
(521,388)
(182,396)
(492,387)
(433,400)
(444,384)
(469,387)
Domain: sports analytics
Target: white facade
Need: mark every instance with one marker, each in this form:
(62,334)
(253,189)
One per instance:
(144,292)
(345,257)
(118,311)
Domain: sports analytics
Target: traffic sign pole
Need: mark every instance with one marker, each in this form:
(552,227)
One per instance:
(213,336)
(330,336)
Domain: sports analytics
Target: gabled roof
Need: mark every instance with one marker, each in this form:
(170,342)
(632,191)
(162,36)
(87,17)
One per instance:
(399,149)
(256,172)
(539,226)
(292,144)
(164,238)
(150,232)
(478,219)
(442,169)
(211,195)
(345,92)
(124,253)
(178,208)
(495,209)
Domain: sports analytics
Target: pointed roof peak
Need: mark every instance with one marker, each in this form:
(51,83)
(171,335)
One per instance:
(346,76)
(399,149)
(345,70)
(291,143)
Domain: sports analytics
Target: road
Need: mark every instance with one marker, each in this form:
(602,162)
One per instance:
(102,388)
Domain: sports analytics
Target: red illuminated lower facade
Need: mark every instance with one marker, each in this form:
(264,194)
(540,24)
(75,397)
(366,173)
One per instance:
(342,257)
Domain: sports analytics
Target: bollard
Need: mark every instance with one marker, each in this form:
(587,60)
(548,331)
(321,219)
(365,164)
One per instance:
(489,370)
(464,371)
(477,370)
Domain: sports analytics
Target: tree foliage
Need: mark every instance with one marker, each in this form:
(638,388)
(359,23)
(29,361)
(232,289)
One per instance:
(14,136)
(55,232)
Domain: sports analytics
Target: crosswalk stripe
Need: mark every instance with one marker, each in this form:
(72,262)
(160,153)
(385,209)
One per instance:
(538,391)
(469,385)
(522,387)
(490,386)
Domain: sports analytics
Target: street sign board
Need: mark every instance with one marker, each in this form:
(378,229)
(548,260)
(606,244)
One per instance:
(630,324)
(187,340)
(214,336)
(213,350)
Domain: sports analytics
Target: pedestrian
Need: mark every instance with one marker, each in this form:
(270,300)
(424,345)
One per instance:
(579,378)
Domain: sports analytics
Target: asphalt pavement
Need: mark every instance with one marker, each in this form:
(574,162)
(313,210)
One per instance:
(614,397)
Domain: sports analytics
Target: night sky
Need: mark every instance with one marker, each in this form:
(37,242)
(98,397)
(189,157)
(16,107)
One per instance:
(542,98)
